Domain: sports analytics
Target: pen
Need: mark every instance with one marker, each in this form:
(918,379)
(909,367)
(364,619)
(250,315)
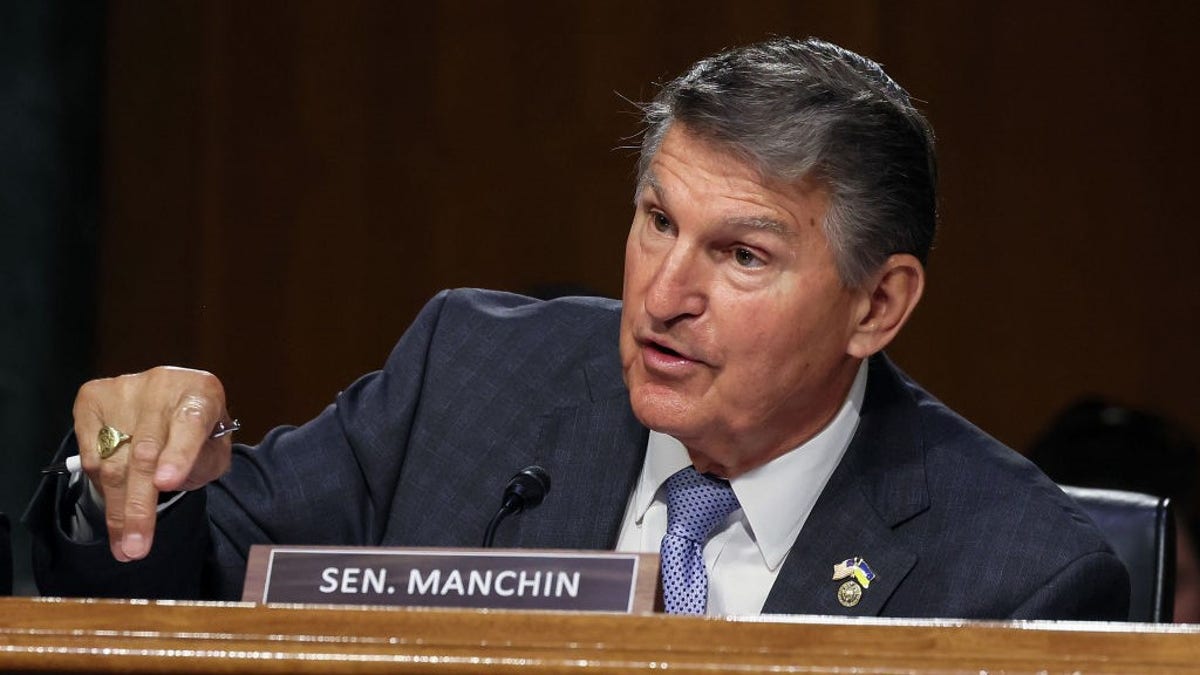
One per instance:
(74,465)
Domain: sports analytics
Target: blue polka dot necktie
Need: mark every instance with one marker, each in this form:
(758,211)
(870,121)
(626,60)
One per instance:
(695,504)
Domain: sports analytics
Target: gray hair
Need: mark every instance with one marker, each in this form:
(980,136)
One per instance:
(799,109)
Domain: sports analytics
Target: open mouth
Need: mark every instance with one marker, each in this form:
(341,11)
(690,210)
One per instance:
(666,350)
(668,353)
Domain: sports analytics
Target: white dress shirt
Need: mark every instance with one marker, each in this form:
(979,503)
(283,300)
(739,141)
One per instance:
(745,552)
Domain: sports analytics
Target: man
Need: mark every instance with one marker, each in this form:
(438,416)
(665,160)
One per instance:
(784,208)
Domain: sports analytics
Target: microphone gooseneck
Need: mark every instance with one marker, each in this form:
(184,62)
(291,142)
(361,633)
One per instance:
(524,491)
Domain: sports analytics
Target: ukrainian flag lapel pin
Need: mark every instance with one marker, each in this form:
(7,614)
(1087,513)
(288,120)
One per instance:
(858,576)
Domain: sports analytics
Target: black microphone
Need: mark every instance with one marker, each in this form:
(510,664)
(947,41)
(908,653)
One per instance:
(526,490)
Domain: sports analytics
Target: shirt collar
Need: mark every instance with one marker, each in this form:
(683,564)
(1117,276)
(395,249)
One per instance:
(665,455)
(778,496)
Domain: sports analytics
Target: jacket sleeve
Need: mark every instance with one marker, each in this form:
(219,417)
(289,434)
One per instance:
(64,566)
(326,481)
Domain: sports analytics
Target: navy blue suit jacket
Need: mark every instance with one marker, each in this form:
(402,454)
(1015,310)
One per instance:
(953,523)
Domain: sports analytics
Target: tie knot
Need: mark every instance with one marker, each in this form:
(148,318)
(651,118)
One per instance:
(696,503)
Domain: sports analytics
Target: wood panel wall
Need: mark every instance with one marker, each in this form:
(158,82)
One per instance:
(287,182)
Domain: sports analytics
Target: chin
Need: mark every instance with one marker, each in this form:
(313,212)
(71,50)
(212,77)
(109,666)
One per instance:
(663,410)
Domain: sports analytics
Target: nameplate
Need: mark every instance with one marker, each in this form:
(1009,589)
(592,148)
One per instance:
(596,581)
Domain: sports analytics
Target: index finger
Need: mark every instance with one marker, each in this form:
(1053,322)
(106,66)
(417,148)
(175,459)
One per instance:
(137,511)
(163,448)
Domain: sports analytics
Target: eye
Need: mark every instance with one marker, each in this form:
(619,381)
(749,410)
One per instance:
(660,222)
(746,258)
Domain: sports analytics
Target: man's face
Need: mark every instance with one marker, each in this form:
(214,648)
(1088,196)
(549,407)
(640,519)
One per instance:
(735,325)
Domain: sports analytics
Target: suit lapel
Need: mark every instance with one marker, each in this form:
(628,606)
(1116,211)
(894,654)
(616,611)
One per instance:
(594,454)
(879,484)
(841,526)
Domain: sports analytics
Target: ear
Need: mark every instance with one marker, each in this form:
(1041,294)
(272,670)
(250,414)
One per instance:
(888,298)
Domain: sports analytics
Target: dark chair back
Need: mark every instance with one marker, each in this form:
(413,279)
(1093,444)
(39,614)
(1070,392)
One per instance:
(1141,529)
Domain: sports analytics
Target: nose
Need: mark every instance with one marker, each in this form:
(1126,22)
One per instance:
(677,289)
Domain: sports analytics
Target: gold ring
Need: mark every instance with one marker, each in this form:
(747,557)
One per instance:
(108,440)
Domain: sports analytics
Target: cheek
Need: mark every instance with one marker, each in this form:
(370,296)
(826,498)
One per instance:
(775,340)
(630,254)
(636,268)
(630,301)
(779,356)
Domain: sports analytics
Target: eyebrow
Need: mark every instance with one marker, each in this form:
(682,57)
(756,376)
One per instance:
(649,180)
(760,223)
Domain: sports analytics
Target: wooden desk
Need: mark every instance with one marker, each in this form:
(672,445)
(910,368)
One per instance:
(140,636)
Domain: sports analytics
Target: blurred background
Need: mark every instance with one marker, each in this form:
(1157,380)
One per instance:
(271,190)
